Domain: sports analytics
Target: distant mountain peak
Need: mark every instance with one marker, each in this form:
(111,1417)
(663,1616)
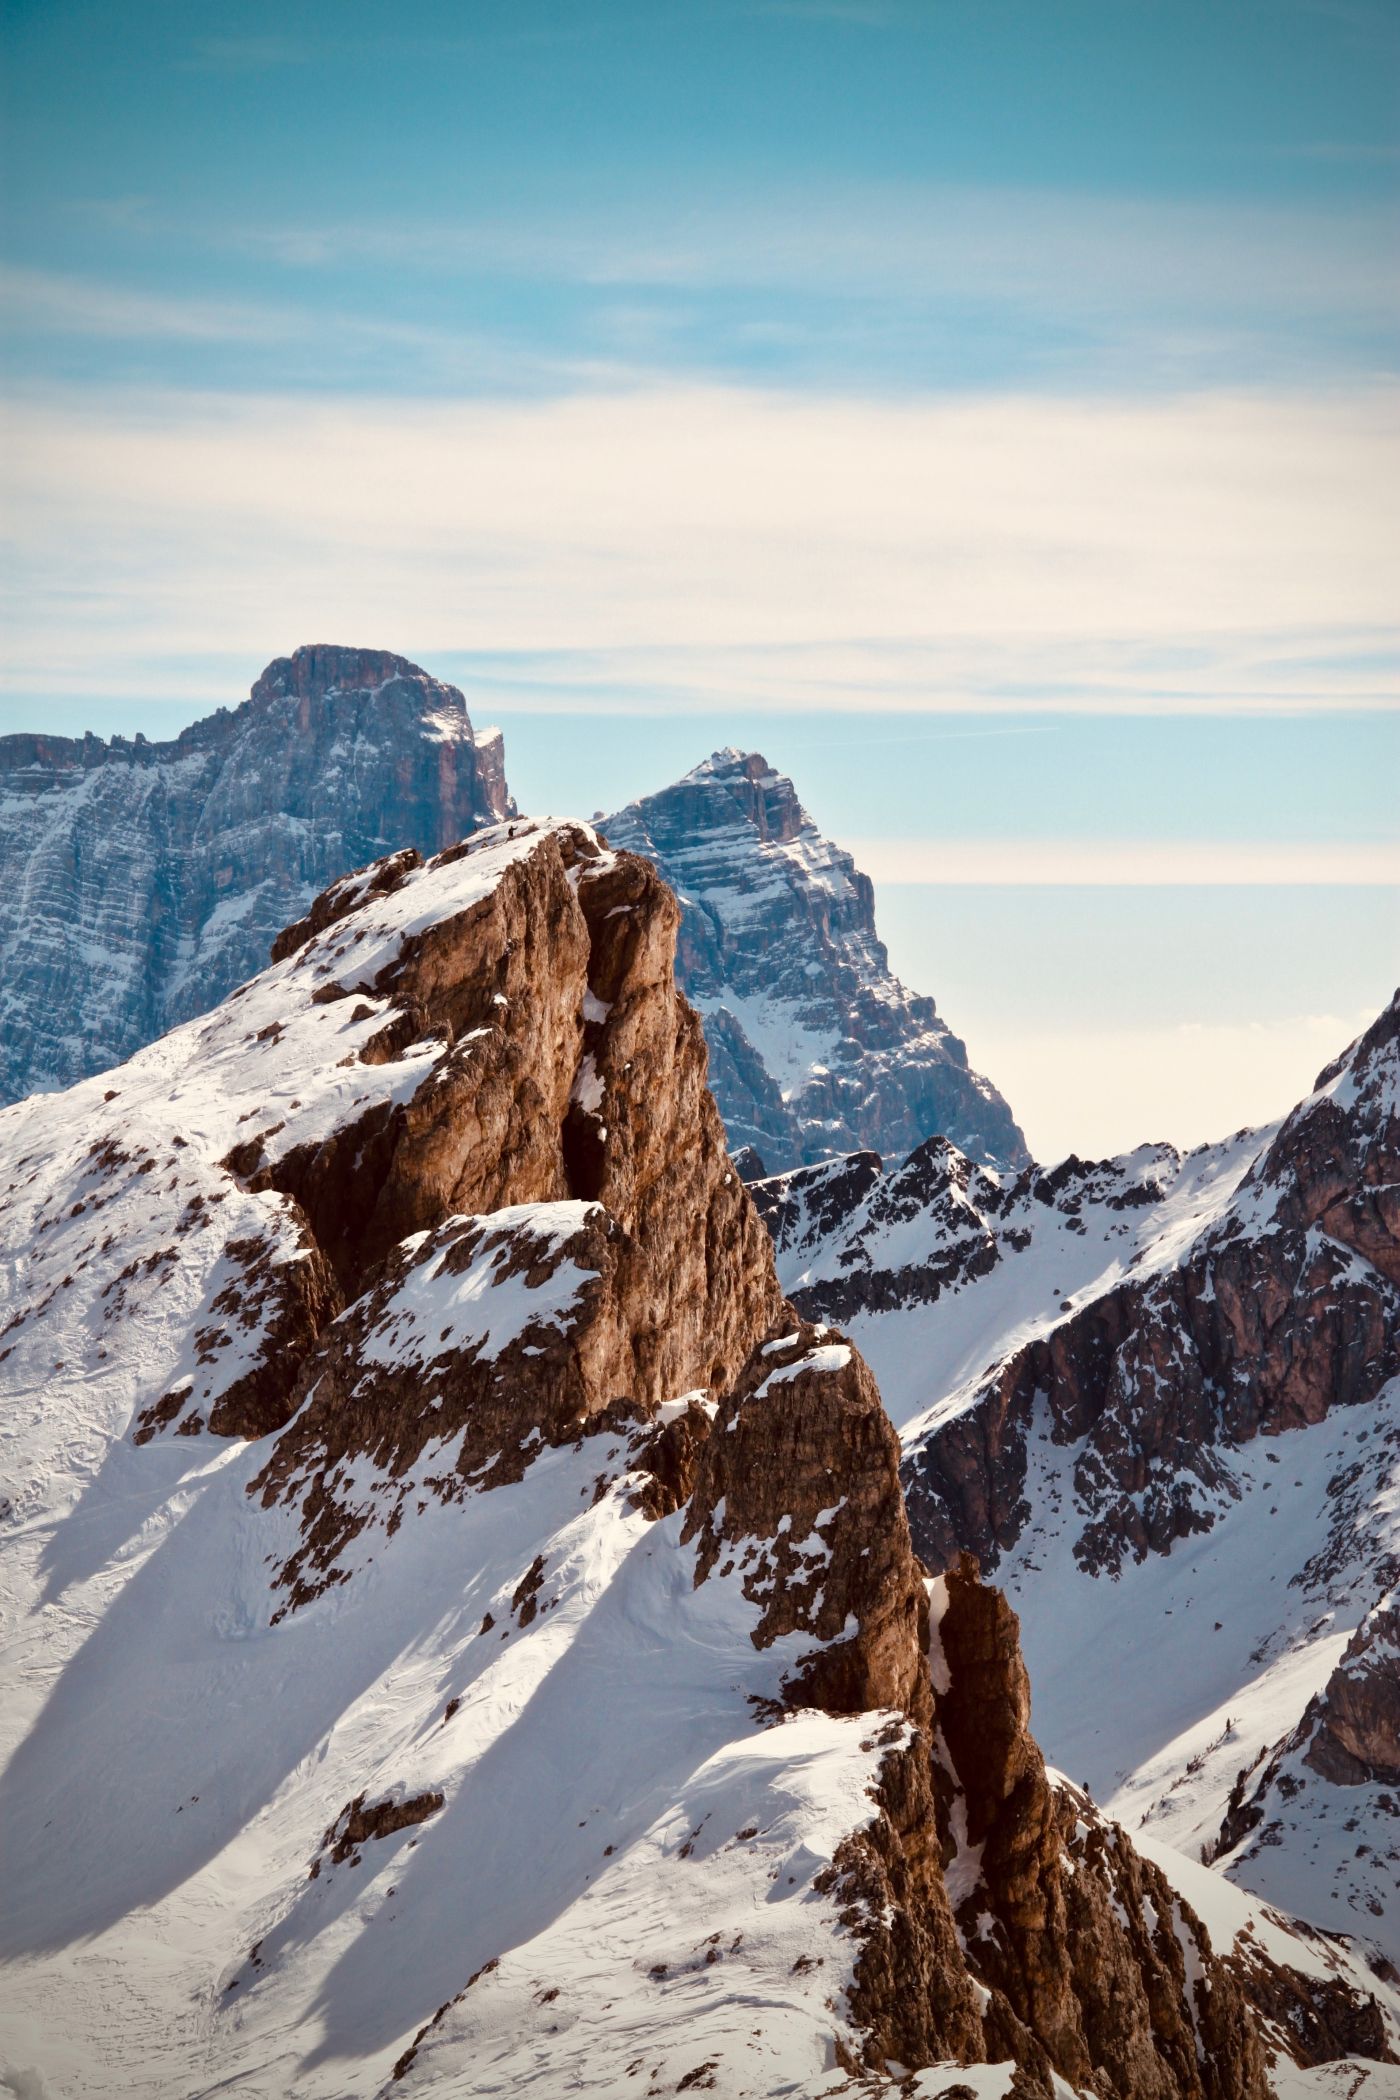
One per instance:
(763,797)
(319,669)
(816,1048)
(141,881)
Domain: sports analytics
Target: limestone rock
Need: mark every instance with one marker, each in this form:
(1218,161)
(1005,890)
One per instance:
(142,881)
(815,1047)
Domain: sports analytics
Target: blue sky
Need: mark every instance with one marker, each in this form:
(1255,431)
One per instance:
(989,410)
(898,193)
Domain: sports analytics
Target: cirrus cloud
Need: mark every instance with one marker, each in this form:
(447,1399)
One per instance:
(665,546)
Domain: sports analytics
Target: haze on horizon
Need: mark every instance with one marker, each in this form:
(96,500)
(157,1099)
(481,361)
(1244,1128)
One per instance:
(990,417)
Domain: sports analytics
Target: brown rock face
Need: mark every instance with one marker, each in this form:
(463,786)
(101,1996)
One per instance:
(1290,1306)
(1068,1926)
(501,985)
(573,1069)
(572,1076)
(798,1486)
(798,1489)
(975,1872)
(1357,1716)
(401,1374)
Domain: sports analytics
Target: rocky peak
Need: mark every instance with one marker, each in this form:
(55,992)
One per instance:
(798,1488)
(815,1047)
(764,798)
(456,1439)
(554,1143)
(318,669)
(142,881)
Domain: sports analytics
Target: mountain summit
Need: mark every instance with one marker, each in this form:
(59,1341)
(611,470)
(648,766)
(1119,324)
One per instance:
(816,1048)
(140,882)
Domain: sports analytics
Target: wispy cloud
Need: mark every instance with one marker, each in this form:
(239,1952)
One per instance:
(1127,863)
(666,548)
(1060,250)
(876,285)
(42,303)
(45,301)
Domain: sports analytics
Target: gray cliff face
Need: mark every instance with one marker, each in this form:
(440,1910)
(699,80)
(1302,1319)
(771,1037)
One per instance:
(142,881)
(815,1047)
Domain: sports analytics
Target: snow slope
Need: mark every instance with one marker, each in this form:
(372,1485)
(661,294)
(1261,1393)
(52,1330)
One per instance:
(338,1744)
(1184,1603)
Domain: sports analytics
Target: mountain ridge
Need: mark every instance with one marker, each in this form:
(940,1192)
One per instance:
(1165,1390)
(536,1683)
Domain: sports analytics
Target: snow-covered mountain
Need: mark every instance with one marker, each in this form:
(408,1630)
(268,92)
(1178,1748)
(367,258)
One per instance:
(1160,1395)
(815,1047)
(140,882)
(460,1627)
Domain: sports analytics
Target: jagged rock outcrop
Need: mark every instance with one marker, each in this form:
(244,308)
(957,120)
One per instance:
(1069,1954)
(798,1487)
(815,1047)
(360,1822)
(1287,1305)
(561,1139)
(1102,1971)
(1179,1374)
(139,882)
(855,1239)
(797,1493)
(501,1648)
(1355,1734)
